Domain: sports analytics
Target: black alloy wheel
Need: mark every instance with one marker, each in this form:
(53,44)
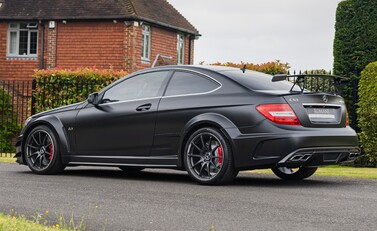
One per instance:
(300,173)
(42,151)
(208,157)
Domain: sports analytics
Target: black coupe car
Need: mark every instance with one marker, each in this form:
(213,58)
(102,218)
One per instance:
(210,121)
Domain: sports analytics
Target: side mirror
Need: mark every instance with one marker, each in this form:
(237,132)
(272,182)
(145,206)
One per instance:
(93,99)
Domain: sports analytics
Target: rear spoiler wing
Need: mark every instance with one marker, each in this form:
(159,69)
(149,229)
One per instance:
(299,80)
(281,77)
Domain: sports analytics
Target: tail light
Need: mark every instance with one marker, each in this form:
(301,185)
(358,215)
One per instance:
(279,113)
(347,119)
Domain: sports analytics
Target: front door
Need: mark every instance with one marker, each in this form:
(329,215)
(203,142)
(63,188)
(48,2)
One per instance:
(123,123)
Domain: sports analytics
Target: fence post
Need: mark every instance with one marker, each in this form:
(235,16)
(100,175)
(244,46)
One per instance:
(33,87)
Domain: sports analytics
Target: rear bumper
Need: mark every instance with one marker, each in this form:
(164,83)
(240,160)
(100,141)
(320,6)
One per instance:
(319,156)
(292,146)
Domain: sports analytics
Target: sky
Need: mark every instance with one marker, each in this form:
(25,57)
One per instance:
(298,32)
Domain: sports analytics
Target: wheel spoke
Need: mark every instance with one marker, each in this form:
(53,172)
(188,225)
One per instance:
(35,161)
(216,166)
(193,155)
(216,157)
(201,169)
(40,138)
(35,140)
(33,154)
(214,149)
(45,161)
(208,170)
(203,144)
(200,161)
(40,161)
(196,146)
(44,140)
(33,147)
(209,142)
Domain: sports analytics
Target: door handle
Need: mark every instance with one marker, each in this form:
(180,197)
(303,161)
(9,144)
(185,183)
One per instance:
(144,107)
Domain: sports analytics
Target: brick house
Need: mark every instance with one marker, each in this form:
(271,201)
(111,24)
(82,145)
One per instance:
(123,34)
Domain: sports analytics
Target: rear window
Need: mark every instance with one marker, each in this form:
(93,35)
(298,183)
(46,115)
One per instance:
(258,81)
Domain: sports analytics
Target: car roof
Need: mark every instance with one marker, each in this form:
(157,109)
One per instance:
(212,68)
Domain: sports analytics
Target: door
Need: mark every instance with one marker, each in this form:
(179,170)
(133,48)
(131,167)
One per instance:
(123,123)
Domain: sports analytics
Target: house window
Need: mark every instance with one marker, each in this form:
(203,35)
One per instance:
(23,40)
(180,49)
(146,43)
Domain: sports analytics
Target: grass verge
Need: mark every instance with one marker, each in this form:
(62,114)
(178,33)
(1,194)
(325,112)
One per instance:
(7,158)
(43,222)
(20,223)
(337,171)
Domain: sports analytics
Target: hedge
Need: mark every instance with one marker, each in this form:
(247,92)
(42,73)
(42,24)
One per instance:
(367,112)
(57,87)
(8,123)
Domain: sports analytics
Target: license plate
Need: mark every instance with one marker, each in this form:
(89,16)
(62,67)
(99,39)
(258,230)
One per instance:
(322,114)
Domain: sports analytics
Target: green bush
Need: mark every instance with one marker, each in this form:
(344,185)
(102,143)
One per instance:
(58,87)
(272,68)
(8,123)
(367,112)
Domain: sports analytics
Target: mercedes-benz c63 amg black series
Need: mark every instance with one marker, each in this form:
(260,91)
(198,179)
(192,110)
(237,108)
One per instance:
(210,121)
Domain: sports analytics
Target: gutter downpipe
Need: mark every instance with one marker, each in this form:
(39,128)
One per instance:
(41,61)
(189,49)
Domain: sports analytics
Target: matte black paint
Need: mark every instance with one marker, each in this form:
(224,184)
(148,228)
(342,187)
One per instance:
(123,134)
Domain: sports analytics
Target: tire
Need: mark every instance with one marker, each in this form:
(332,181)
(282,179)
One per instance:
(131,169)
(291,174)
(208,157)
(42,151)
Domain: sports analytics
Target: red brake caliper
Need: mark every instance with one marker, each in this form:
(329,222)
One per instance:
(51,150)
(220,153)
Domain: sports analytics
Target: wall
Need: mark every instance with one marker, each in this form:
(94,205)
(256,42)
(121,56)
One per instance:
(89,44)
(16,68)
(163,42)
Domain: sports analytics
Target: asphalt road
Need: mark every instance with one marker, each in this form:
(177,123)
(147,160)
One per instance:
(169,200)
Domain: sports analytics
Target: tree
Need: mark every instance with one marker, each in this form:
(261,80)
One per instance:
(355,44)
(275,67)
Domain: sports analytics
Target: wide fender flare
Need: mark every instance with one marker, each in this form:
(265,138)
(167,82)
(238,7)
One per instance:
(227,127)
(53,122)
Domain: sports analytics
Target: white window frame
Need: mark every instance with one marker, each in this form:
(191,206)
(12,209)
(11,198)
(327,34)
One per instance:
(146,43)
(180,49)
(17,29)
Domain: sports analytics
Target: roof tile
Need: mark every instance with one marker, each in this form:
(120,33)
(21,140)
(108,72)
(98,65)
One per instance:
(156,11)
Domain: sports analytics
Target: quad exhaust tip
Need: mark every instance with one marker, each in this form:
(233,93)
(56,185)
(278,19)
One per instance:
(300,157)
(353,155)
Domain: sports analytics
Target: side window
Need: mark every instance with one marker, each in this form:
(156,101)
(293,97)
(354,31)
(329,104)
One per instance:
(146,43)
(180,49)
(184,83)
(22,40)
(138,87)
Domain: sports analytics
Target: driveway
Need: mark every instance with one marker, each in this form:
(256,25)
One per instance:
(169,200)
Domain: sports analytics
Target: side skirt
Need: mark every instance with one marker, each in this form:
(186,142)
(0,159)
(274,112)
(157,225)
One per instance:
(139,161)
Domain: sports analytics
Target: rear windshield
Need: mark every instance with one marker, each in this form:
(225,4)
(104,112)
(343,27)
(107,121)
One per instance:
(258,81)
